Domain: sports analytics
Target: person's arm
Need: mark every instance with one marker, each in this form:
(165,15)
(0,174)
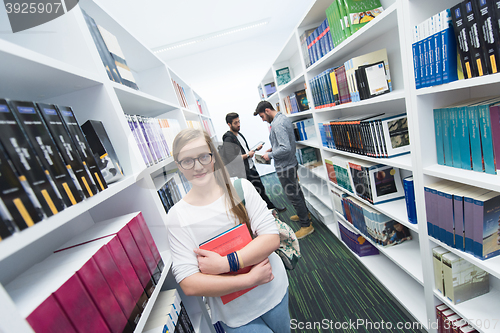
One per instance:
(263,225)
(283,147)
(249,154)
(209,285)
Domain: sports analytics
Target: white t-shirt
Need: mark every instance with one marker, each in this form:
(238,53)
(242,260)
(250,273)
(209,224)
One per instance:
(189,226)
(244,145)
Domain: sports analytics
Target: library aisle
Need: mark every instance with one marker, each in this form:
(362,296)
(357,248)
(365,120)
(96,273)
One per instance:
(331,287)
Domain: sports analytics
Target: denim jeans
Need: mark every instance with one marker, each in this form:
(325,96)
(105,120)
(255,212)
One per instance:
(291,187)
(276,320)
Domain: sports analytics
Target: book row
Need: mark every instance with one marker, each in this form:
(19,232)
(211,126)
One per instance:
(374,135)
(435,51)
(174,189)
(468,135)
(449,322)
(304,129)
(308,156)
(359,78)
(153,136)
(371,182)
(168,315)
(99,281)
(47,163)
(381,229)
(111,53)
(356,242)
(296,102)
(343,18)
(181,94)
(476,27)
(464,217)
(456,278)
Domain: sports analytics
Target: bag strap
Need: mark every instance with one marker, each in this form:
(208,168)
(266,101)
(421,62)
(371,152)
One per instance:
(239,190)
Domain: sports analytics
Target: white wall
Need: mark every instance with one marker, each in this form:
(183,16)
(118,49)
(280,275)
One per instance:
(227,78)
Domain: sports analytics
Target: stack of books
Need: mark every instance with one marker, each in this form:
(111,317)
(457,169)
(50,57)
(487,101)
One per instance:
(47,164)
(338,171)
(174,189)
(296,102)
(319,42)
(168,313)
(468,135)
(381,229)
(457,279)
(110,271)
(149,137)
(181,94)
(375,135)
(448,320)
(304,129)
(308,156)
(464,217)
(348,16)
(356,242)
(111,54)
(357,79)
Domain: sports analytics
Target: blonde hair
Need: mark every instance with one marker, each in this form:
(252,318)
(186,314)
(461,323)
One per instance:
(233,202)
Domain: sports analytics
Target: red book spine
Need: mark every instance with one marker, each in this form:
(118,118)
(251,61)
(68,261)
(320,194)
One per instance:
(143,246)
(79,307)
(48,317)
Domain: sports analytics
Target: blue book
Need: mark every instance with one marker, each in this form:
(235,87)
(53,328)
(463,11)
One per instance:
(429,211)
(458,218)
(475,138)
(455,137)
(416,59)
(445,116)
(448,48)
(425,46)
(438,130)
(323,135)
(486,138)
(411,208)
(486,216)
(421,53)
(437,49)
(430,48)
(463,128)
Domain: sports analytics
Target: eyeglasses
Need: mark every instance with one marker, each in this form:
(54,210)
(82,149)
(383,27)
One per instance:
(188,163)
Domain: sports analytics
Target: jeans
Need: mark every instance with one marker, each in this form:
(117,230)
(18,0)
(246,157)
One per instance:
(254,177)
(276,320)
(291,187)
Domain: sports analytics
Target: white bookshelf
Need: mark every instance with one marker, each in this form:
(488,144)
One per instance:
(64,67)
(412,262)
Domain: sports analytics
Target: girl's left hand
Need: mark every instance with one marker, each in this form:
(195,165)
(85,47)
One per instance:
(211,262)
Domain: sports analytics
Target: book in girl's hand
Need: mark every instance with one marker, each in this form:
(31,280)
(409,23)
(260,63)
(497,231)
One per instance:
(227,242)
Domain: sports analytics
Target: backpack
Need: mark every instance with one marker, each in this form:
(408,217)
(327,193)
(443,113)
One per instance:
(289,250)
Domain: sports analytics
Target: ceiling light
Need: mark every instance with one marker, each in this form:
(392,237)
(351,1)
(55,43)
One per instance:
(210,36)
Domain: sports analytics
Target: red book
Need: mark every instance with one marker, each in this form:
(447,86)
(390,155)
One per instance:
(48,317)
(227,242)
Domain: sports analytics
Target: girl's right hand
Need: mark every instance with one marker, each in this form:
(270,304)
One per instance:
(262,272)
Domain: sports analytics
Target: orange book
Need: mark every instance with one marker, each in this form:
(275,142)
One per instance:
(229,241)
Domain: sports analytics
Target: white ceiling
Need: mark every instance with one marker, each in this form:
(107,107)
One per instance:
(163,22)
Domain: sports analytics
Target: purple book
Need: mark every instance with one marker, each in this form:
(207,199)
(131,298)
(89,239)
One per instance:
(495,132)
(458,223)
(486,228)
(469,218)
(429,211)
(445,214)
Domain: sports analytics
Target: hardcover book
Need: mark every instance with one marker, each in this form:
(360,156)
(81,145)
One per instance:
(463,280)
(283,76)
(43,143)
(66,147)
(437,254)
(459,20)
(73,127)
(28,168)
(103,150)
(270,88)
(359,13)
(227,242)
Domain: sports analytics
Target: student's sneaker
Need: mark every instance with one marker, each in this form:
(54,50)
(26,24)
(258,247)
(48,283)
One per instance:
(295,218)
(304,231)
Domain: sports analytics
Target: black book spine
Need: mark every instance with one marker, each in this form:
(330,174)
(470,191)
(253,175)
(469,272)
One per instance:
(185,320)
(488,28)
(382,139)
(462,38)
(477,46)
(73,127)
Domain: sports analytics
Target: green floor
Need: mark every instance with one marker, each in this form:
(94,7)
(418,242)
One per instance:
(330,286)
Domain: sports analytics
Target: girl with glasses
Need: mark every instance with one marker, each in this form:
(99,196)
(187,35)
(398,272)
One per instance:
(211,207)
